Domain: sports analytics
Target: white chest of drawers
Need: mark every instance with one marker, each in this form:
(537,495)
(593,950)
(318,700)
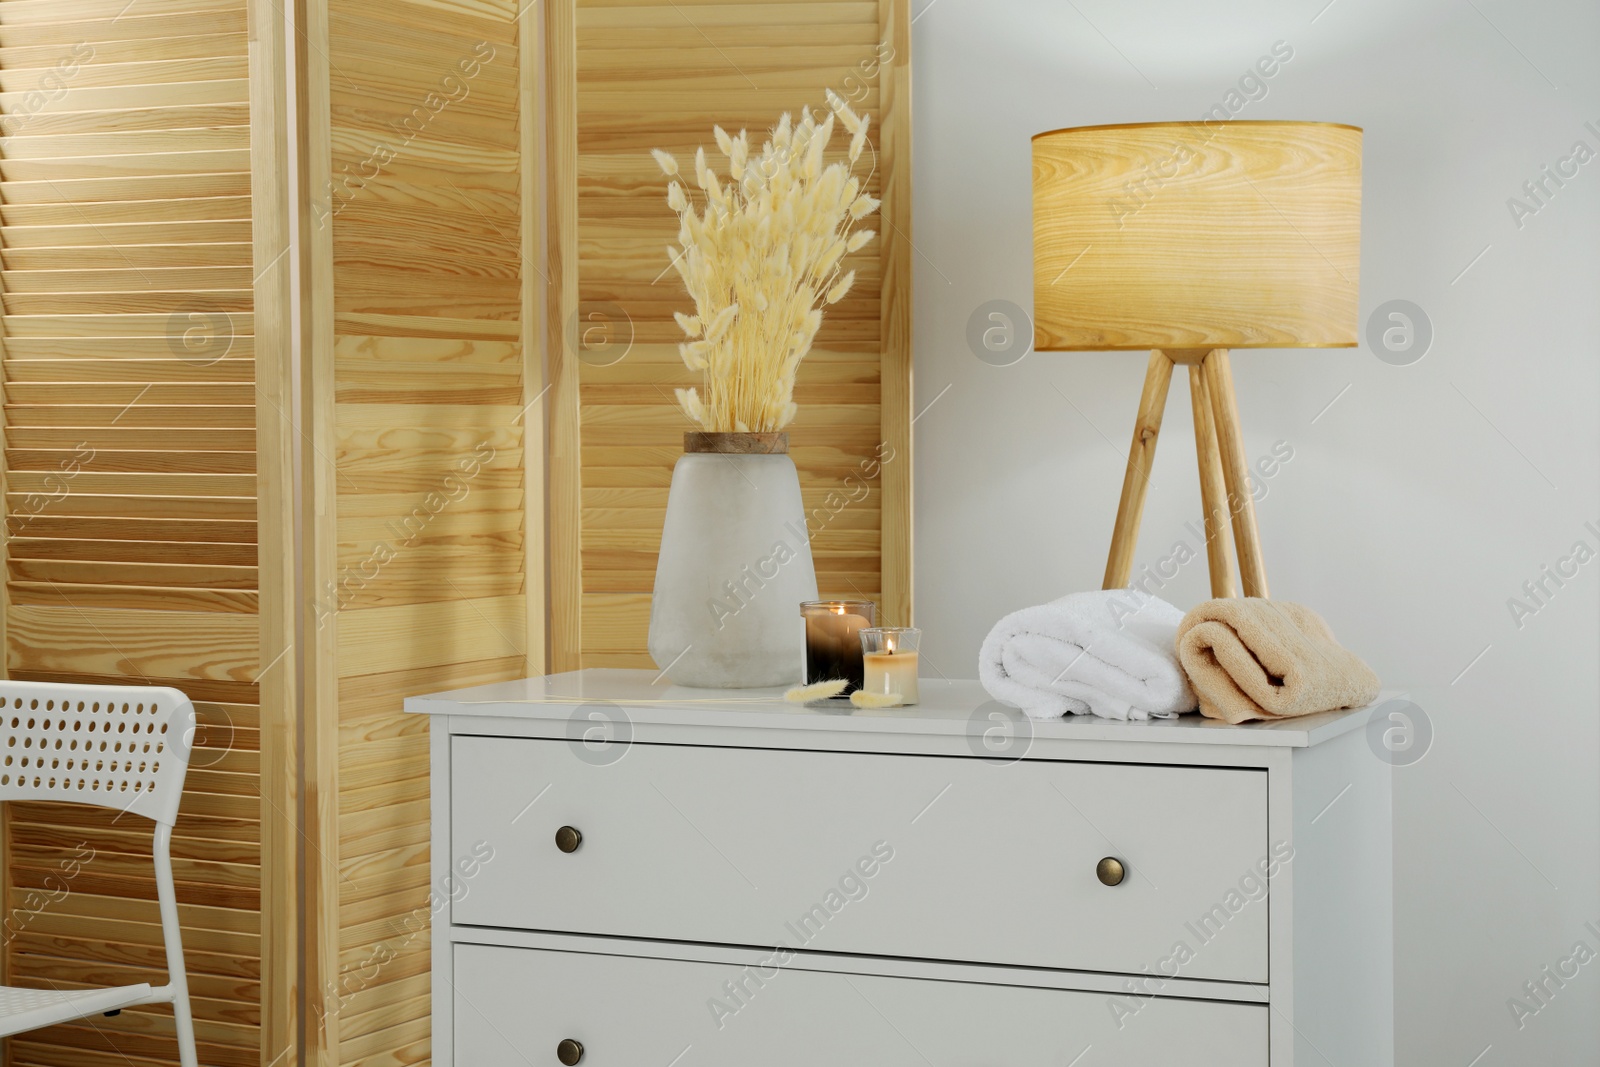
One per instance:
(644,876)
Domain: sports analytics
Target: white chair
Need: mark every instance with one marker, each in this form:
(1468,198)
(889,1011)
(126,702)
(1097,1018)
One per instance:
(112,746)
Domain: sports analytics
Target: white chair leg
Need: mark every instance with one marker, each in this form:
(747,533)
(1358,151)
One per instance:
(177,977)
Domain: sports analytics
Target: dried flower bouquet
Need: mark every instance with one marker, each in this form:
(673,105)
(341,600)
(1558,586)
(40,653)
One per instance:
(761,255)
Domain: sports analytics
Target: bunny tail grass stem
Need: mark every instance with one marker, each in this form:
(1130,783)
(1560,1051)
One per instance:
(805,694)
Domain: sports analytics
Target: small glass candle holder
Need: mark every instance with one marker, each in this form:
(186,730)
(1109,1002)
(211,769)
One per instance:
(833,647)
(889,661)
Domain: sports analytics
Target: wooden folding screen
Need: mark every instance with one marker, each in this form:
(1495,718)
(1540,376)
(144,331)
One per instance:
(425,571)
(146,445)
(299,544)
(627,76)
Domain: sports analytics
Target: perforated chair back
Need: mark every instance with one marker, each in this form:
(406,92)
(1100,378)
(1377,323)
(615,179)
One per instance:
(112,746)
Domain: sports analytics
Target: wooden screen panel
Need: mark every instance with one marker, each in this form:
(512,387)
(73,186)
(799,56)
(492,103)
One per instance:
(645,76)
(421,547)
(130,355)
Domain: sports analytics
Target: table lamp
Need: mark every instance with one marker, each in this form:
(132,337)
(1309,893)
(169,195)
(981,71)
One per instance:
(1188,239)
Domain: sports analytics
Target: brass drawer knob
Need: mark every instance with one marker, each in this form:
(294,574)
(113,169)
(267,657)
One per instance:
(569,1051)
(568,838)
(1110,871)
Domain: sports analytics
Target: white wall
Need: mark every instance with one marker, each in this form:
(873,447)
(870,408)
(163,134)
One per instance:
(1414,507)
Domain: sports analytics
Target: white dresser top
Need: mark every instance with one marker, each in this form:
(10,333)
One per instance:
(947,708)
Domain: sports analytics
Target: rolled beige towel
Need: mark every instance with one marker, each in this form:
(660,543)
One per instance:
(1250,658)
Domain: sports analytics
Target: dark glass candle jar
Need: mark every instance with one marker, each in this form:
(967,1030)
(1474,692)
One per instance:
(833,640)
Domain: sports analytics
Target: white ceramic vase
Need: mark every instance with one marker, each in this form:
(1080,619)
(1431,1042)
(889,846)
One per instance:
(735,565)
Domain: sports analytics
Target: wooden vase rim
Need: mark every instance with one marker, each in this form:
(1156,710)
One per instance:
(736,444)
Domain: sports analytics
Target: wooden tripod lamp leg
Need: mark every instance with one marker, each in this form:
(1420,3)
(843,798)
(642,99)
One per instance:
(1141,454)
(1213,494)
(1235,471)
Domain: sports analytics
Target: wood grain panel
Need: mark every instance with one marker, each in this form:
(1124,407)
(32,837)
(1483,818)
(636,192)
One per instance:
(424,396)
(640,75)
(276,304)
(142,213)
(565,463)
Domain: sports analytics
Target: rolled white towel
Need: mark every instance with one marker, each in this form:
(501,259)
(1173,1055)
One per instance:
(1111,652)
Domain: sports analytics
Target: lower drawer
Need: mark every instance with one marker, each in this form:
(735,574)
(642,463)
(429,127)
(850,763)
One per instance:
(515,1006)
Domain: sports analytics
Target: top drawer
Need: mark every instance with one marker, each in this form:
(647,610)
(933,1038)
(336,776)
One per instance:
(924,856)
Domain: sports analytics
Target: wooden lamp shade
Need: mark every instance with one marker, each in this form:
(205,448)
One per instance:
(1187,239)
(1196,235)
